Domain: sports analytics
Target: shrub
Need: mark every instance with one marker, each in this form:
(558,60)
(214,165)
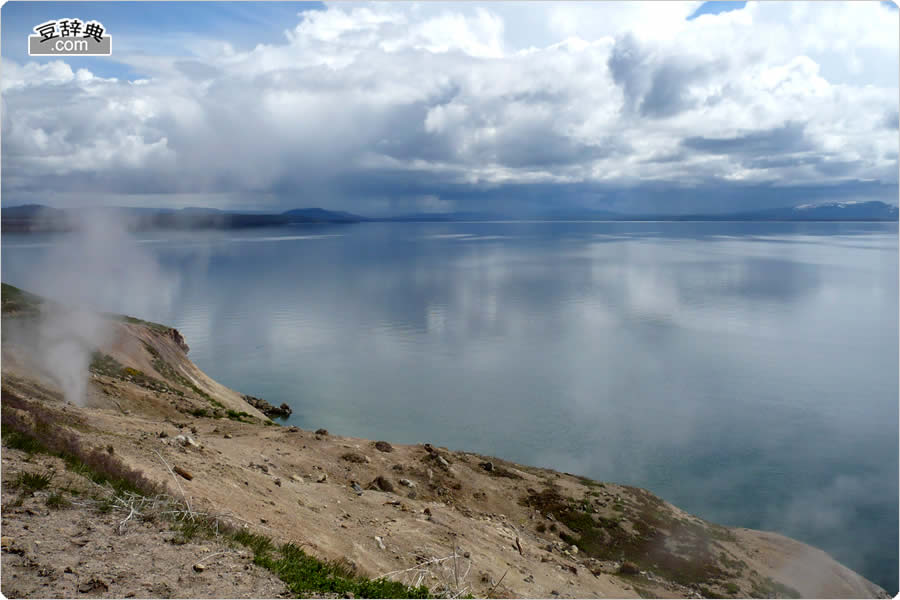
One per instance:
(353,457)
(57,500)
(44,425)
(31,482)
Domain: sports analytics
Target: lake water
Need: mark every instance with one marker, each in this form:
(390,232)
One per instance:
(746,372)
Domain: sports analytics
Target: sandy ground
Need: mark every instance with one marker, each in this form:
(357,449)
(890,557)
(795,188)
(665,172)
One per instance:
(77,551)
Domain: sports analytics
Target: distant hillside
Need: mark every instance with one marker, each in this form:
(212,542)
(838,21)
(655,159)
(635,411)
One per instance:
(39,218)
(832,211)
(320,215)
(36,217)
(836,211)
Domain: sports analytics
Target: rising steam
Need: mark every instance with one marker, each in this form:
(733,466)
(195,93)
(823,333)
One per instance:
(99,267)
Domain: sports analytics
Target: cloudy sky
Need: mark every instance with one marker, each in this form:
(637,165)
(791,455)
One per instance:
(393,108)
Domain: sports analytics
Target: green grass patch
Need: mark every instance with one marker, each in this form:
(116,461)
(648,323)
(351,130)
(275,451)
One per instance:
(19,441)
(241,416)
(157,327)
(305,574)
(32,482)
(44,432)
(57,500)
(15,300)
(169,372)
(653,532)
(769,588)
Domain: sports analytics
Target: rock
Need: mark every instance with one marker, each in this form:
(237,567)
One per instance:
(186,474)
(529,579)
(227,436)
(629,568)
(93,585)
(430,474)
(356,488)
(383,447)
(321,478)
(349,595)
(293,429)
(186,440)
(443,462)
(321,432)
(429,448)
(407,483)
(381,483)
(179,340)
(380,542)
(278,482)
(573,549)
(487,466)
(353,457)
(412,495)
(283,411)
(6,542)
(199,568)
(296,478)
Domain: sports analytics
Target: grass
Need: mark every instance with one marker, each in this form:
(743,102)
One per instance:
(168,371)
(654,527)
(56,500)
(157,327)
(32,482)
(17,300)
(769,588)
(104,364)
(44,432)
(241,416)
(305,574)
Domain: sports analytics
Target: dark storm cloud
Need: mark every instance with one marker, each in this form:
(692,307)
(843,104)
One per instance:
(655,86)
(782,140)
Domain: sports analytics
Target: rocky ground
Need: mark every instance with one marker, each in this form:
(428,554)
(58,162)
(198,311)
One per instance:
(454,521)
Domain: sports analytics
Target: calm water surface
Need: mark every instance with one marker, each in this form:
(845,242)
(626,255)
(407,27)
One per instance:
(745,372)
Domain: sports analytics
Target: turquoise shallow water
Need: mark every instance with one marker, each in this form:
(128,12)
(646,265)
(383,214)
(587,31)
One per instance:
(746,372)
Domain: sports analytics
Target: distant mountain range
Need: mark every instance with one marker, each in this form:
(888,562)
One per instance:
(37,217)
(40,218)
(834,211)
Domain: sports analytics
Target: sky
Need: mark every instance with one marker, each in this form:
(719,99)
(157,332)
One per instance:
(514,108)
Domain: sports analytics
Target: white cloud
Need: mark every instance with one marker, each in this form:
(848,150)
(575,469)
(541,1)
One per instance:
(599,93)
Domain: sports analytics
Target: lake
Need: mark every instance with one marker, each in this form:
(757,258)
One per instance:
(746,372)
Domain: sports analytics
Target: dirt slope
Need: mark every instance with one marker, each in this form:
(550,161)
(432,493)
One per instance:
(520,531)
